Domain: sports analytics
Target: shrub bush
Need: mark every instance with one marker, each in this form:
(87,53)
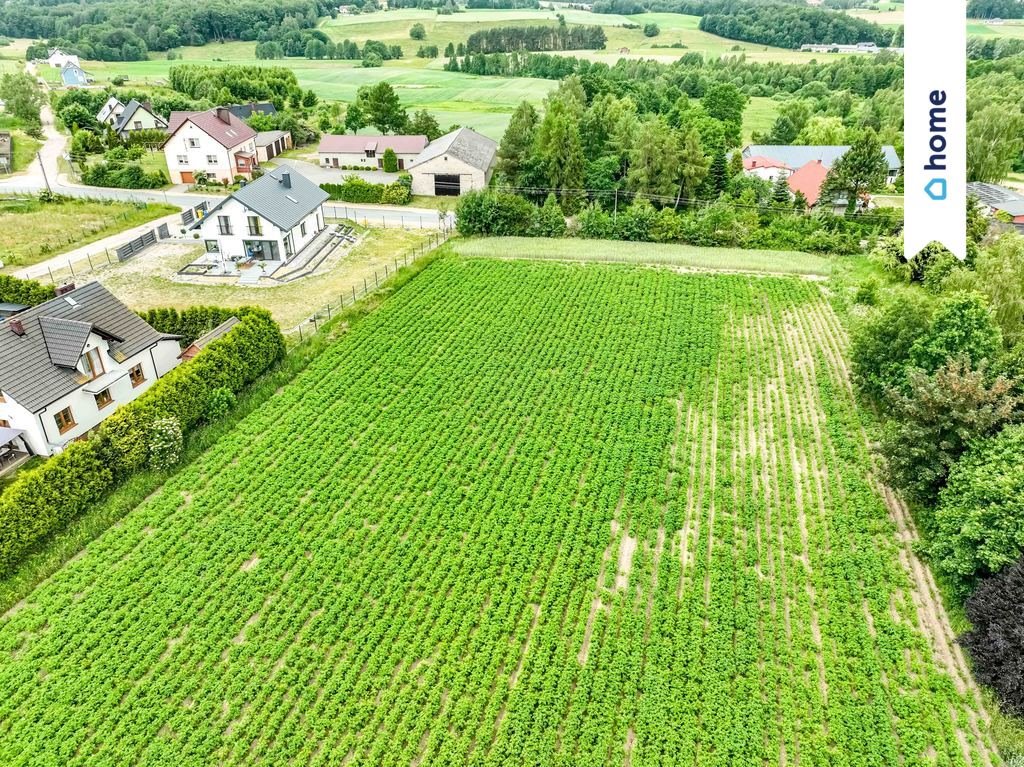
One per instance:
(27,292)
(42,499)
(979,524)
(355,189)
(996,642)
(122,176)
(165,443)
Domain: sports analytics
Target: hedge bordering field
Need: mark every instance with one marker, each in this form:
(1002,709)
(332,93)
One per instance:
(41,500)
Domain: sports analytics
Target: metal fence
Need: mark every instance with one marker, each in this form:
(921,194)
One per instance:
(56,270)
(366,286)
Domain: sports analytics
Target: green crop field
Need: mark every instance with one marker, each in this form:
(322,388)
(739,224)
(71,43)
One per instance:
(523,514)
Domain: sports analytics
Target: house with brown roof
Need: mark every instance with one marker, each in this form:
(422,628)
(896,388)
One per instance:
(214,142)
(368,151)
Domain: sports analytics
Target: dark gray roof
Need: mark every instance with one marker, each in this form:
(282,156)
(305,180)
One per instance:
(798,156)
(998,197)
(465,144)
(245,111)
(283,206)
(205,340)
(130,109)
(36,368)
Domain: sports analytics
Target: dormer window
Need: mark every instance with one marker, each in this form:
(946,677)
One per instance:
(92,360)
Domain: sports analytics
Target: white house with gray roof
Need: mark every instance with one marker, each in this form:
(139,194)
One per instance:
(68,363)
(454,164)
(271,220)
(136,116)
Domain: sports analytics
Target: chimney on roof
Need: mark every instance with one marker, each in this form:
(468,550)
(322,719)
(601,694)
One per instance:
(224,115)
(62,289)
(286,179)
(147,105)
(16,326)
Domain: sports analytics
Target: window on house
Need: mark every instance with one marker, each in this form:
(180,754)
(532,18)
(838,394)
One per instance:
(93,361)
(193,143)
(2,397)
(103,399)
(212,246)
(224,224)
(255,226)
(371,152)
(137,375)
(211,159)
(182,159)
(138,124)
(302,228)
(4,423)
(65,420)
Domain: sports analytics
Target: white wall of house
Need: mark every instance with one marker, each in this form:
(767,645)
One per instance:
(191,150)
(41,431)
(360,159)
(232,246)
(115,113)
(59,58)
(470,178)
(143,120)
(769,174)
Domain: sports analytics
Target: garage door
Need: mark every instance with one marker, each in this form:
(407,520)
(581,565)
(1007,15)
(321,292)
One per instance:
(447,186)
(187,177)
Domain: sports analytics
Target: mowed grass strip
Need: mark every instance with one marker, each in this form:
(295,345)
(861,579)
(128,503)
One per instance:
(688,256)
(34,231)
(643,497)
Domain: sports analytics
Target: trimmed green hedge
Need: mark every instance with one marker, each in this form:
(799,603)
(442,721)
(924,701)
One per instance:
(28,292)
(43,499)
(195,321)
(355,189)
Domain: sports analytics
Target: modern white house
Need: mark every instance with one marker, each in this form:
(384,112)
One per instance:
(795,157)
(269,220)
(110,112)
(368,151)
(454,164)
(136,116)
(59,59)
(214,142)
(68,363)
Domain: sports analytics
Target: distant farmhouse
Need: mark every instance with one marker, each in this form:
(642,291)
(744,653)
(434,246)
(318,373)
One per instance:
(805,168)
(368,151)
(136,116)
(837,48)
(73,76)
(68,363)
(58,59)
(110,112)
(999,199)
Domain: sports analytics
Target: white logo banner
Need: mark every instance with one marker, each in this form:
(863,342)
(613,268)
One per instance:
(935,125)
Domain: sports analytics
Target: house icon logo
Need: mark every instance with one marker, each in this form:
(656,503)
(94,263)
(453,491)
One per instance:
(936,189)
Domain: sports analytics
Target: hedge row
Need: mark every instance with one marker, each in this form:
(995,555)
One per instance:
(28,292)
(195,321)
(355,189)
(43,499)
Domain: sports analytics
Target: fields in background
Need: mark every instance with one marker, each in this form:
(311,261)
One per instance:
(643,496)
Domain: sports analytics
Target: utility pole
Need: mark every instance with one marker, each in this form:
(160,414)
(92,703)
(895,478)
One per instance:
(39,156)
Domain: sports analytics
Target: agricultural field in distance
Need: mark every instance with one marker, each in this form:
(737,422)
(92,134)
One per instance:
(523,513)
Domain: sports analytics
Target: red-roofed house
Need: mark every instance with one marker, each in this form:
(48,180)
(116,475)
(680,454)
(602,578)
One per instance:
(808,180)
(214,142)
(766,168)
(368,151)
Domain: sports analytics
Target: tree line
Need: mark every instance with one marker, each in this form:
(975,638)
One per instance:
(995,9)
(562,37)
(126,30)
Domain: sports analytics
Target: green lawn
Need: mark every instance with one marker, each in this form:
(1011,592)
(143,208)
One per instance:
(686,256)
(759,116)
(25,148)
(151,162)
(34,231)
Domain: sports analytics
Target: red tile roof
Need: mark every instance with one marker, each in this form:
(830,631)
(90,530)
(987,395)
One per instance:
(808,180)
(228,134)
(359,144)
(759,161)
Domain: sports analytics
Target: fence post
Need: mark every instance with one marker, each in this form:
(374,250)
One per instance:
(107,251)
(385,271)
(328,310)
(51,276)
(300,333)
(353,294)
(376,281)
(364,285)
(71,268)
(315,326)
